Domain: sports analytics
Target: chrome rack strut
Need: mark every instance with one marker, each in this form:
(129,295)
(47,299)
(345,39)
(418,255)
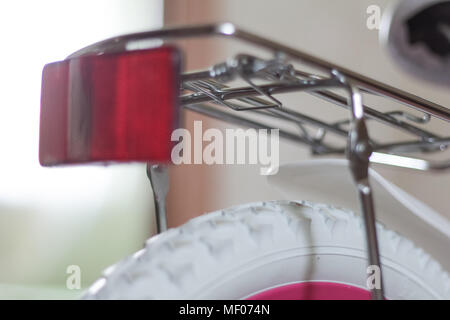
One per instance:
(359,151)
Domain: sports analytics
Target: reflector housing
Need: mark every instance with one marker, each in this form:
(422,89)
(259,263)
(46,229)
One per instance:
(110,107)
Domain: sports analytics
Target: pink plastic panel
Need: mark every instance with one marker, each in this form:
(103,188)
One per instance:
(313,291)
(111,107)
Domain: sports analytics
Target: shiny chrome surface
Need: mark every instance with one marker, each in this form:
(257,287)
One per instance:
(158,175)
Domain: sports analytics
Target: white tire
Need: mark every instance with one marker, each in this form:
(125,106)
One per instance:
(240,251)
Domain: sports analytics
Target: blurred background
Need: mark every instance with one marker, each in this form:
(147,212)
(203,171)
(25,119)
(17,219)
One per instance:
(93,216)
(88,216)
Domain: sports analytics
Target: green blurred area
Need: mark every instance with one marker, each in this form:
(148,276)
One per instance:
(92,228)
(20,292)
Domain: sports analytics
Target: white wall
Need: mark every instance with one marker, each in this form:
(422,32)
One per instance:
(51,218)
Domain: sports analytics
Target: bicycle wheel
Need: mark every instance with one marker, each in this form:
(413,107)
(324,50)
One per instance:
(271,250)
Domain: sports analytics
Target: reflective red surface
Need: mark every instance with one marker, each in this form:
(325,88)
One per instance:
(111,107)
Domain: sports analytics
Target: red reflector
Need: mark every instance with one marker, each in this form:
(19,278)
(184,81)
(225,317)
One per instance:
(112,107)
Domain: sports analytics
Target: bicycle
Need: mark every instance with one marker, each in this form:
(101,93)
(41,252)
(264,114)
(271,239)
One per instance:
(100,103)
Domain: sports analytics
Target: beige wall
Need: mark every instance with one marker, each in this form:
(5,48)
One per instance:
(189,184)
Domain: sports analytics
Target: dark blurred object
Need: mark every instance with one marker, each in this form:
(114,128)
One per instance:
(431,26)
(417,34)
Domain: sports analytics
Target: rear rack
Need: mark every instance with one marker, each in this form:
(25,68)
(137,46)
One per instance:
(211,92)
(209,89)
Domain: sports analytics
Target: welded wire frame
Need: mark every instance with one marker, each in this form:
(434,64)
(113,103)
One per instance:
(209,88)
(208,93)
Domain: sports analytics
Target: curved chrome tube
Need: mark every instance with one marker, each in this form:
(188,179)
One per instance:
(117,44)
